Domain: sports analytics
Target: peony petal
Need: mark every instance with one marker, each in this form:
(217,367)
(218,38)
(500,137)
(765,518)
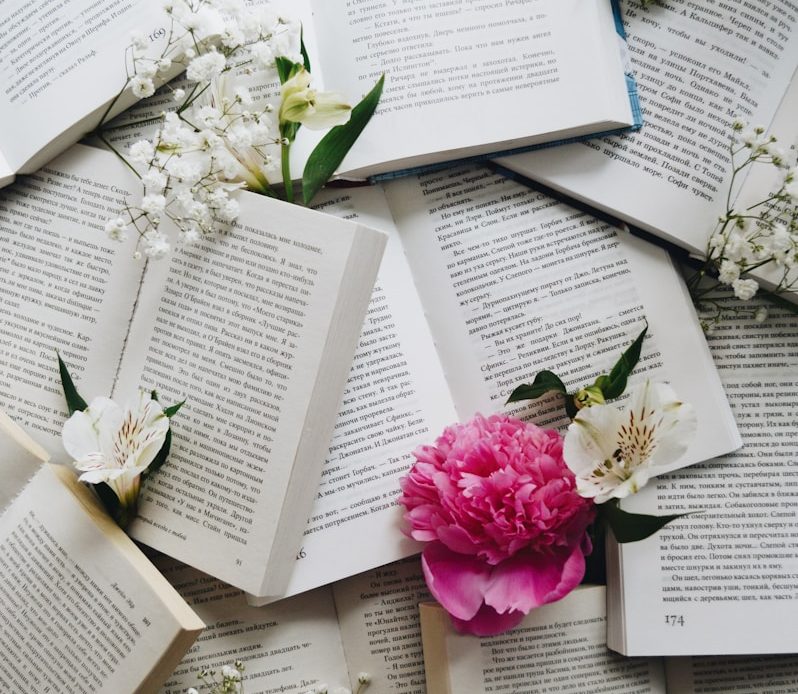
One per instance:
(529,580)
(457,540)
(456,581)
(488,622)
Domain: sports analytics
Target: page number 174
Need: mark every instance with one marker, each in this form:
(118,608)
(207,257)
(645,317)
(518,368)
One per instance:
(674,620)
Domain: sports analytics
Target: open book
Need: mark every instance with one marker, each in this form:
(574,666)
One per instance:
(256,331)
(765,674)
(698,66)
(483,284)
(536,75)
(689,589)
(560,647)
(368,623)
(62,65)
(82,608)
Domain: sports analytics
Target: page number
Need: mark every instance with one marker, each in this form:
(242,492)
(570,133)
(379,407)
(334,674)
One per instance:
(674,620)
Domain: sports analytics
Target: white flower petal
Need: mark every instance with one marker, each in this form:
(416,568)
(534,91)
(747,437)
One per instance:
(613,454)
(591,437)
(82,431)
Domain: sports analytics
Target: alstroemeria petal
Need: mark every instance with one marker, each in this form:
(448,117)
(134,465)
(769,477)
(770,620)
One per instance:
(675,421)
(488,622)
(532,579)
(141,434)
(456,581)
(614,453)
(590,438)
(328,109)
(82,431)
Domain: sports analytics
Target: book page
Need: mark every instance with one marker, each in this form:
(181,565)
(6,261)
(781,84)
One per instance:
(144,118)
(77,614)
(237,326)
(697,66)
(560,647)
(396,399)
(723,674)
(7,173)
(513,283)
(64,287)
(52,52)
(380,628)
(288,647)
(21,458)
(722,580)
(440,60)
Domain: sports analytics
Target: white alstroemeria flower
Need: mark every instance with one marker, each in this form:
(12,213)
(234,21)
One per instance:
(112,445)
(316,110)
(613,453)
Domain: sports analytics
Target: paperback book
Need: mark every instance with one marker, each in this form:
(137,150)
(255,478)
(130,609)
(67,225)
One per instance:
(255,330)
(698,69)
(83,609)
(440,64)
(483,284)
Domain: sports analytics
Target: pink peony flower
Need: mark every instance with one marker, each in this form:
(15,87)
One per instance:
(505,526)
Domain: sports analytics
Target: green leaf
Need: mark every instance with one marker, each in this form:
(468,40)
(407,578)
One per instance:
(303,50)
(570,406)
(615,383)
(173,409)
(286,68)
(631,527)
(332,149)
(595,562)
(75,403)
(545,382)
(160,458)
(110,501)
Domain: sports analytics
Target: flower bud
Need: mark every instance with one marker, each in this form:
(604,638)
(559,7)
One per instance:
(589,396)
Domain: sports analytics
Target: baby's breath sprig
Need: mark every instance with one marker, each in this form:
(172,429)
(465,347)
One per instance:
(363,681)
(218,139)
(762,236)
(228,680)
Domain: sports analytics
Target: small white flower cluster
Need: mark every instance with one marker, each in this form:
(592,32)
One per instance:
(214,142)
(763,235)
(363,681)
(228,681)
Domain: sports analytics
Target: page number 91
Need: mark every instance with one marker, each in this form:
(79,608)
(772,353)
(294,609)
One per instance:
(674,620)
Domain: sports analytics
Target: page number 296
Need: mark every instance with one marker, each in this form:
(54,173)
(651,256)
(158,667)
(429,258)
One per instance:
(674,620)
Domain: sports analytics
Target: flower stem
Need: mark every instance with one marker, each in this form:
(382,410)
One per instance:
(285,151)
(115,151)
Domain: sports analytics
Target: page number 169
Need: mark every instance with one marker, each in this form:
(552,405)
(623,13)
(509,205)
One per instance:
(674,620)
